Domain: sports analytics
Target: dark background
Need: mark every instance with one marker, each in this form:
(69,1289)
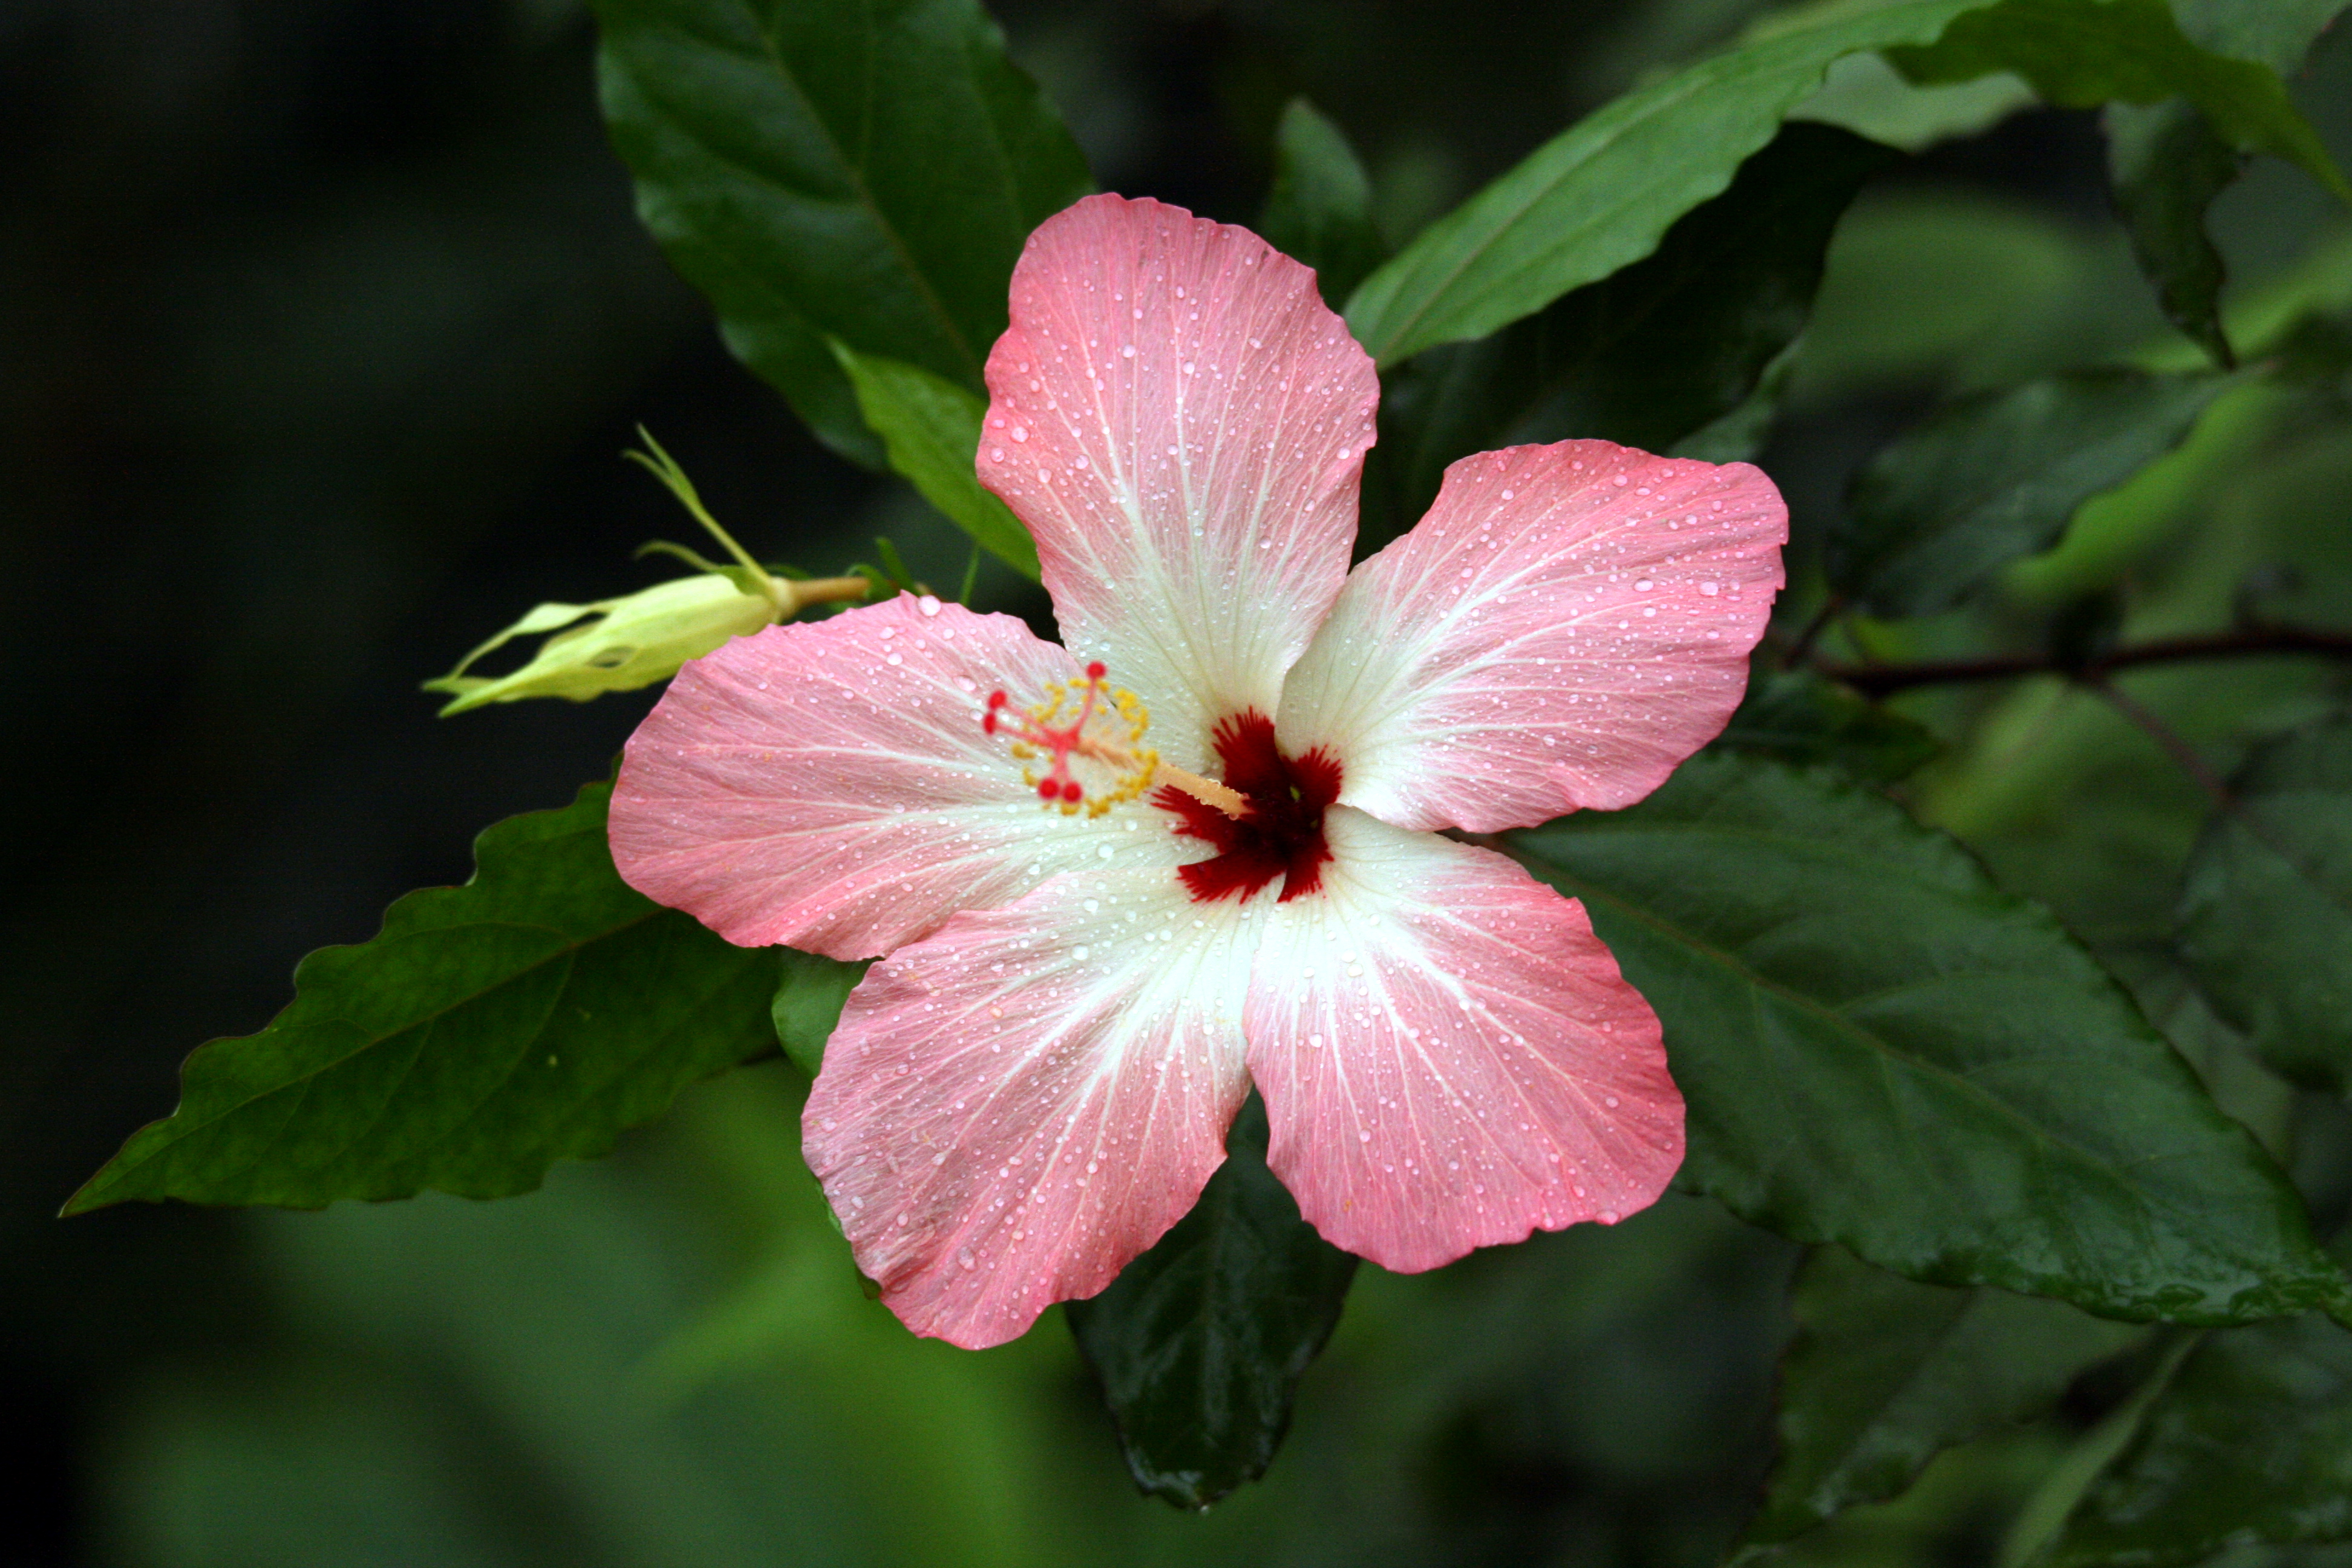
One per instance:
(321,330)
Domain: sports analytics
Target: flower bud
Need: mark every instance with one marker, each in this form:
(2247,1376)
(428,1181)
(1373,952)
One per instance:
(643,637)
(631,642)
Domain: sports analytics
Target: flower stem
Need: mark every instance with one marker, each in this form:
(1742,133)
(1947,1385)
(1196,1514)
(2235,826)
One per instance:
(819,590)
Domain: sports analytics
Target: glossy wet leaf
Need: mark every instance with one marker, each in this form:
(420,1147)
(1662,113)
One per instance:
(1886,1373)
(1653,353)
(1880,1048)
(2252,1442)
(931,430)
(1602,193)
(2081,54)
(1995,478)
(1200,1344)
(866,172)
(1796,716)
(808,1002)
(2266,905)
(487,1032)
(1320,209)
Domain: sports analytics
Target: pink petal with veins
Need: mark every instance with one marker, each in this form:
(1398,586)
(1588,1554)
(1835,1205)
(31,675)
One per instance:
(828,784)
(1565,626)
(1182,423)
(1449,1056)
(1014,1107)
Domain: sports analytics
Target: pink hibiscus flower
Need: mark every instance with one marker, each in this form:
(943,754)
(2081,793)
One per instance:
(1238,877)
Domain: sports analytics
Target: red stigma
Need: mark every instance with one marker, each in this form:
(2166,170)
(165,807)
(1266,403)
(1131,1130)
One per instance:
(1281,834)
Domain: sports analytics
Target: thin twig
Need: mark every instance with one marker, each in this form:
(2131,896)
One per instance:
(1799,649)
(1882,680)
(2164,735)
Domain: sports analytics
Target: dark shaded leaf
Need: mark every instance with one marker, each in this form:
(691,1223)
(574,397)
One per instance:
(487,1032)
(1655,352)
(866,172)
(1885,1374)
(1996,478)
(1603,192)
(930,428)
(2252,1442)
(1879,1049)
(1796,716)
(1200,1344)
(1320,209)
(807,1004)
(2081,54)
(2165,167)
(2266,905)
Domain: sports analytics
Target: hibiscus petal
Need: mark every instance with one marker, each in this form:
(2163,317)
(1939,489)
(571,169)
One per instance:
(1013,1108)
(1568,623)
(828,784)
(1449,1056)
(1183,425)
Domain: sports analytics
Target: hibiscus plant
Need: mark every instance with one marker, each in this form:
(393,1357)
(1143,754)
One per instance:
(1446,805)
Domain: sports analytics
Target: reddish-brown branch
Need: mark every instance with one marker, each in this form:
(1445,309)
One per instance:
(1883,679)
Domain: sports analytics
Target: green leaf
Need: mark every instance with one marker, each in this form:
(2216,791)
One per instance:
(2165,167)
(1602,193)
(808,1002)
(1997,477)
(1320,209)
(2266,905)
(487,1032)
(1655,352)
(2276,32)
(2252,1442)
(866,172)
(1870,98)
(1797,716)
(1885,1374)
(1879,1049)
(1200,1344)
(2080,53)
(930,428)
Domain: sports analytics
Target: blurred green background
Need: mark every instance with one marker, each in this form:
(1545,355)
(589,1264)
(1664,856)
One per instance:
(321,330)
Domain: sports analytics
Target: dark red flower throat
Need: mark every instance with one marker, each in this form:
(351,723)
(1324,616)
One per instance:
(1281,834)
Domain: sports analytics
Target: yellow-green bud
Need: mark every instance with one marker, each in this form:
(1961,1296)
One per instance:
(644,637)
(632,642)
